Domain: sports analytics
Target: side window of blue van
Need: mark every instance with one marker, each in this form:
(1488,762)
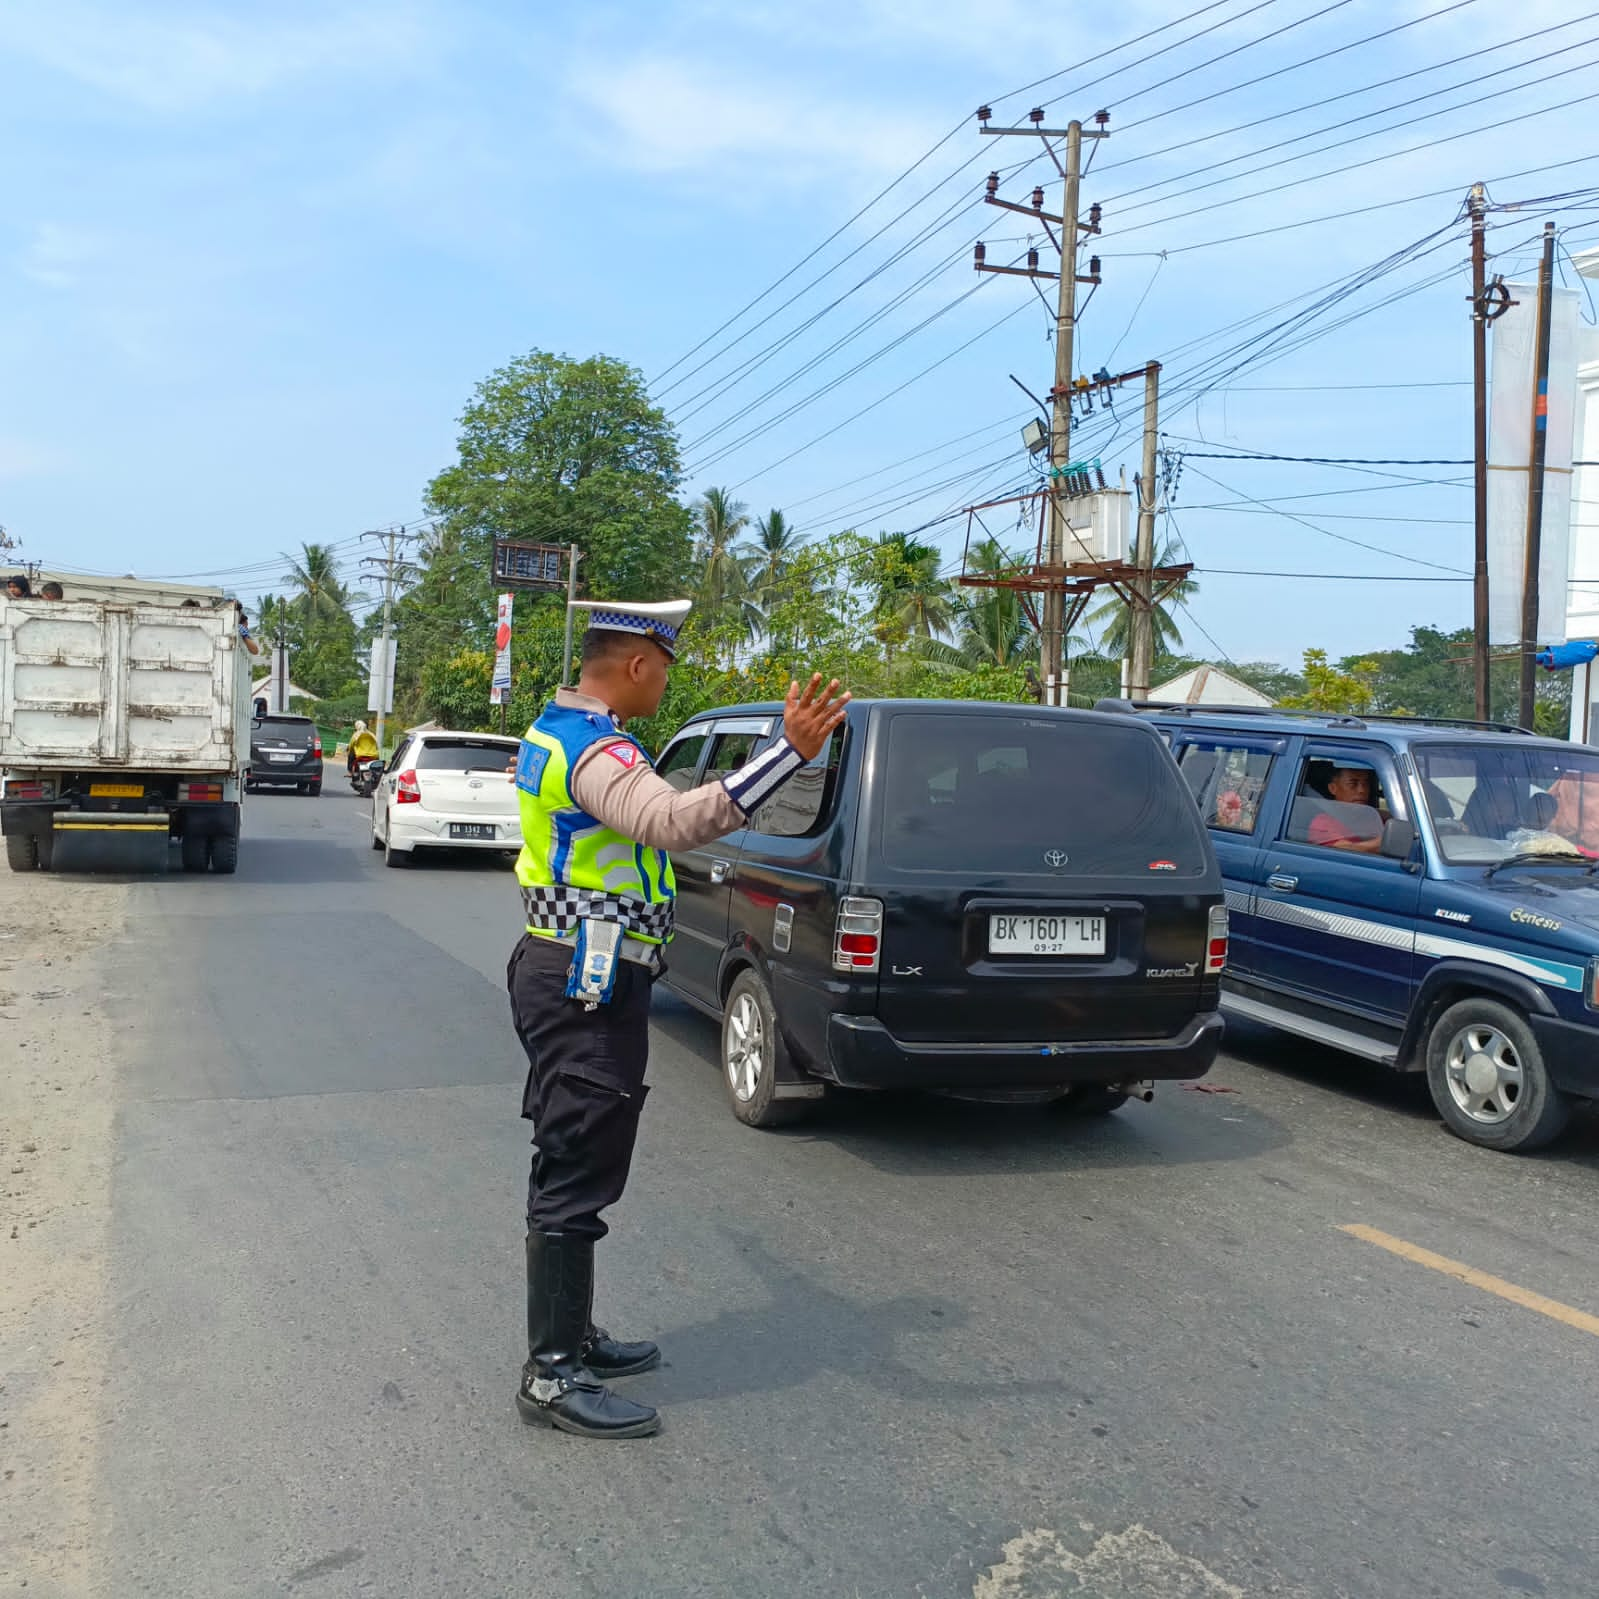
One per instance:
(1227,781)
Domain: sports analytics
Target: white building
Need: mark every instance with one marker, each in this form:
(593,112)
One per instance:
(1208,685)
(1582,615)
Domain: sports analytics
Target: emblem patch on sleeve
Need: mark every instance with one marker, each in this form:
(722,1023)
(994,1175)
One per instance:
(624,754)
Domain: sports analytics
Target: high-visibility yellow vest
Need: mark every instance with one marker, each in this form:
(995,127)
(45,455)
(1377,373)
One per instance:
(572,866)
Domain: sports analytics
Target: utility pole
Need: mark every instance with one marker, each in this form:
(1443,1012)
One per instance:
(393,567)
(1477,205)
(1052,633)
(1143,617)
(572,558)
(1535,479)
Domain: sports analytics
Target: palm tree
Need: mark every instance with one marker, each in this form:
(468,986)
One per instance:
(993,629)
(912,598)
(315,576)
(1114,615)
(722,582)
(766,557)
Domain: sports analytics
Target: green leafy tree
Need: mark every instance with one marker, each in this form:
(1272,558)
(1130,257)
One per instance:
(767,556)
(1333,688)
(568,452)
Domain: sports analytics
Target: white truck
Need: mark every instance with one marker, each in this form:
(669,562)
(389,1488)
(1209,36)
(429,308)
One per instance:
(124,726)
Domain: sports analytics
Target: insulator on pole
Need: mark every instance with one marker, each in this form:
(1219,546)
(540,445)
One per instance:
(992,185)
(1032,260)
(979,254)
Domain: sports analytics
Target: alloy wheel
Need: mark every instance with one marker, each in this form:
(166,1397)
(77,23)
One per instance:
(1484,1073)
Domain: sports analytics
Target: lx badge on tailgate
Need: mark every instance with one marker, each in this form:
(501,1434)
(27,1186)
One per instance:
(907,971)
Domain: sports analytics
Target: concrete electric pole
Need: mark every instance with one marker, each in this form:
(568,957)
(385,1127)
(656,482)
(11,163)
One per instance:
(1052,633)
(393,566)
(1142,620)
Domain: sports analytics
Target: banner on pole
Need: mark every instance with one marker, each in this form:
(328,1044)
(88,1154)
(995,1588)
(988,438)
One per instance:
(380,679)
(500,683)
(1511,399)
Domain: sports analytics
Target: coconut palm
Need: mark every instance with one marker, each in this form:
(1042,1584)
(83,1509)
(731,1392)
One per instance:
(993,628)
(912,599)
(320,596)
(722,582)
(1114,615)
(766,557)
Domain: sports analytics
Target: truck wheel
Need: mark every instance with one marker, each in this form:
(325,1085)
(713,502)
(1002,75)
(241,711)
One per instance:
(751,1046)
(22,851)
(1488,1079)
(195,851)
(225,853)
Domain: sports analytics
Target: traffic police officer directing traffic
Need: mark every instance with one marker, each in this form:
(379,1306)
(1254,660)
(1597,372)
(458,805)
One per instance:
(597,884)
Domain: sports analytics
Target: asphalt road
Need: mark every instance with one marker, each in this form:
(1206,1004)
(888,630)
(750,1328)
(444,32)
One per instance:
(913,1348)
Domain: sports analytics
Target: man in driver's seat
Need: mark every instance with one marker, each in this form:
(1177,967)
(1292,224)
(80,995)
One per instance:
(1355,823)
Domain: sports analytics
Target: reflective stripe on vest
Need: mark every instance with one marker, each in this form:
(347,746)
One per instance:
(572,865)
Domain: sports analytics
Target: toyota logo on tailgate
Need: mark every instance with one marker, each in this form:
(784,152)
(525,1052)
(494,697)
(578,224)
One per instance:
(1055,858)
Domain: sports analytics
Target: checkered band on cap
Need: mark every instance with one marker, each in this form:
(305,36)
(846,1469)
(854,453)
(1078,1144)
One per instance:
(632,622)
(559,908)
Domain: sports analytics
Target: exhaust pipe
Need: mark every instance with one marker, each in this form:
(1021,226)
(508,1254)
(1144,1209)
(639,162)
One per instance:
(1143,1091)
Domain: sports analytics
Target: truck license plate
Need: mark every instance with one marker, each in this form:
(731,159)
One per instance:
(471,829)
(1028,933)
(116,791)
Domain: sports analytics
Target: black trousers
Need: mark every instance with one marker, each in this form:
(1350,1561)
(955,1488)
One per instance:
(585,1085)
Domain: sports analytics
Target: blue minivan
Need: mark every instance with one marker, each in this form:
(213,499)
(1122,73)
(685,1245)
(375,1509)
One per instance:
(1424,894)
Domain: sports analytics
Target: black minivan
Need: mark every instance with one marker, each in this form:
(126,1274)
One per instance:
(285,752)
(984,900)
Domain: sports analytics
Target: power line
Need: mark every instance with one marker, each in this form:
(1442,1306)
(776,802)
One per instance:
(1296,66)
(1356,211)
(1311,460)
(1370,133)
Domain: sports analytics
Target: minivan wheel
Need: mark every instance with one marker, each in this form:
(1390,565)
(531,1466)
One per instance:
(750,1046)
(1488,1079)
(1090,1099)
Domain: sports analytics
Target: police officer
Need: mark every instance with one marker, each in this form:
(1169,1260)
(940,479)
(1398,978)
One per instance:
(597,885)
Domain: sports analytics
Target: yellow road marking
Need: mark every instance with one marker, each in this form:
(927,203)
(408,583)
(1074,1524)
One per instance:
(1525,1297)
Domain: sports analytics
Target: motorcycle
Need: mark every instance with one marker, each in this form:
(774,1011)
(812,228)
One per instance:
(365,775)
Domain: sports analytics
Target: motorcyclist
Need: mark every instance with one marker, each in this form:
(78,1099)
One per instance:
(363,747)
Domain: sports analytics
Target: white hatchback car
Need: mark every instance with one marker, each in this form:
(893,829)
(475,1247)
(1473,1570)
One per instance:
(447,790)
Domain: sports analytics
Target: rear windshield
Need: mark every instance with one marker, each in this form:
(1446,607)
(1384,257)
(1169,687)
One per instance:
(292,729)
(983,794)
(463,755)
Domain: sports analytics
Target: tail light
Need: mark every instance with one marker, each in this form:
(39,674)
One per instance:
(408,791)
(1216,941)
(316,745)
(29,791)
(1593,984)
(199,791)
(858,936)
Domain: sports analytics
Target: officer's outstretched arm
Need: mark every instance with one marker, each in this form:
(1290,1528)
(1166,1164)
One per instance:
(614,784)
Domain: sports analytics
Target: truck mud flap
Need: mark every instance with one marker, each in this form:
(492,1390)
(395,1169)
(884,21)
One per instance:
(109,841)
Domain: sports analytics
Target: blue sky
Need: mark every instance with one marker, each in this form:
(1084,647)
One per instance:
(254,258)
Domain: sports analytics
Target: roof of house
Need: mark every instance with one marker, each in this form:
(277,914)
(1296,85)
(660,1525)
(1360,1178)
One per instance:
(1208,685)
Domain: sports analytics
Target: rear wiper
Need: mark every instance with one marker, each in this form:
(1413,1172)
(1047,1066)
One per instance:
(1529,857)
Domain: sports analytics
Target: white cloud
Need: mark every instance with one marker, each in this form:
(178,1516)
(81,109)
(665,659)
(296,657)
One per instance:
(182,56)
(681,116)
(57,254)
(20,458)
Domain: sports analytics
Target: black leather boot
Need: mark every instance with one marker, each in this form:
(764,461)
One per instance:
(609,1357)
(557,1387)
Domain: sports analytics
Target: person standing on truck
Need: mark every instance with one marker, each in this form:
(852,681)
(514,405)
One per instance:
(51,591)
(18,587)
(598,890)
(244,630)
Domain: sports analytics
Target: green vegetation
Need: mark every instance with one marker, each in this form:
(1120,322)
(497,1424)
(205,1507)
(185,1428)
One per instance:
(566,451)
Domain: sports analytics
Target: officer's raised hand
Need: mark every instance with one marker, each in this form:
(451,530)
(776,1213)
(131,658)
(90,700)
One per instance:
(809,717)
